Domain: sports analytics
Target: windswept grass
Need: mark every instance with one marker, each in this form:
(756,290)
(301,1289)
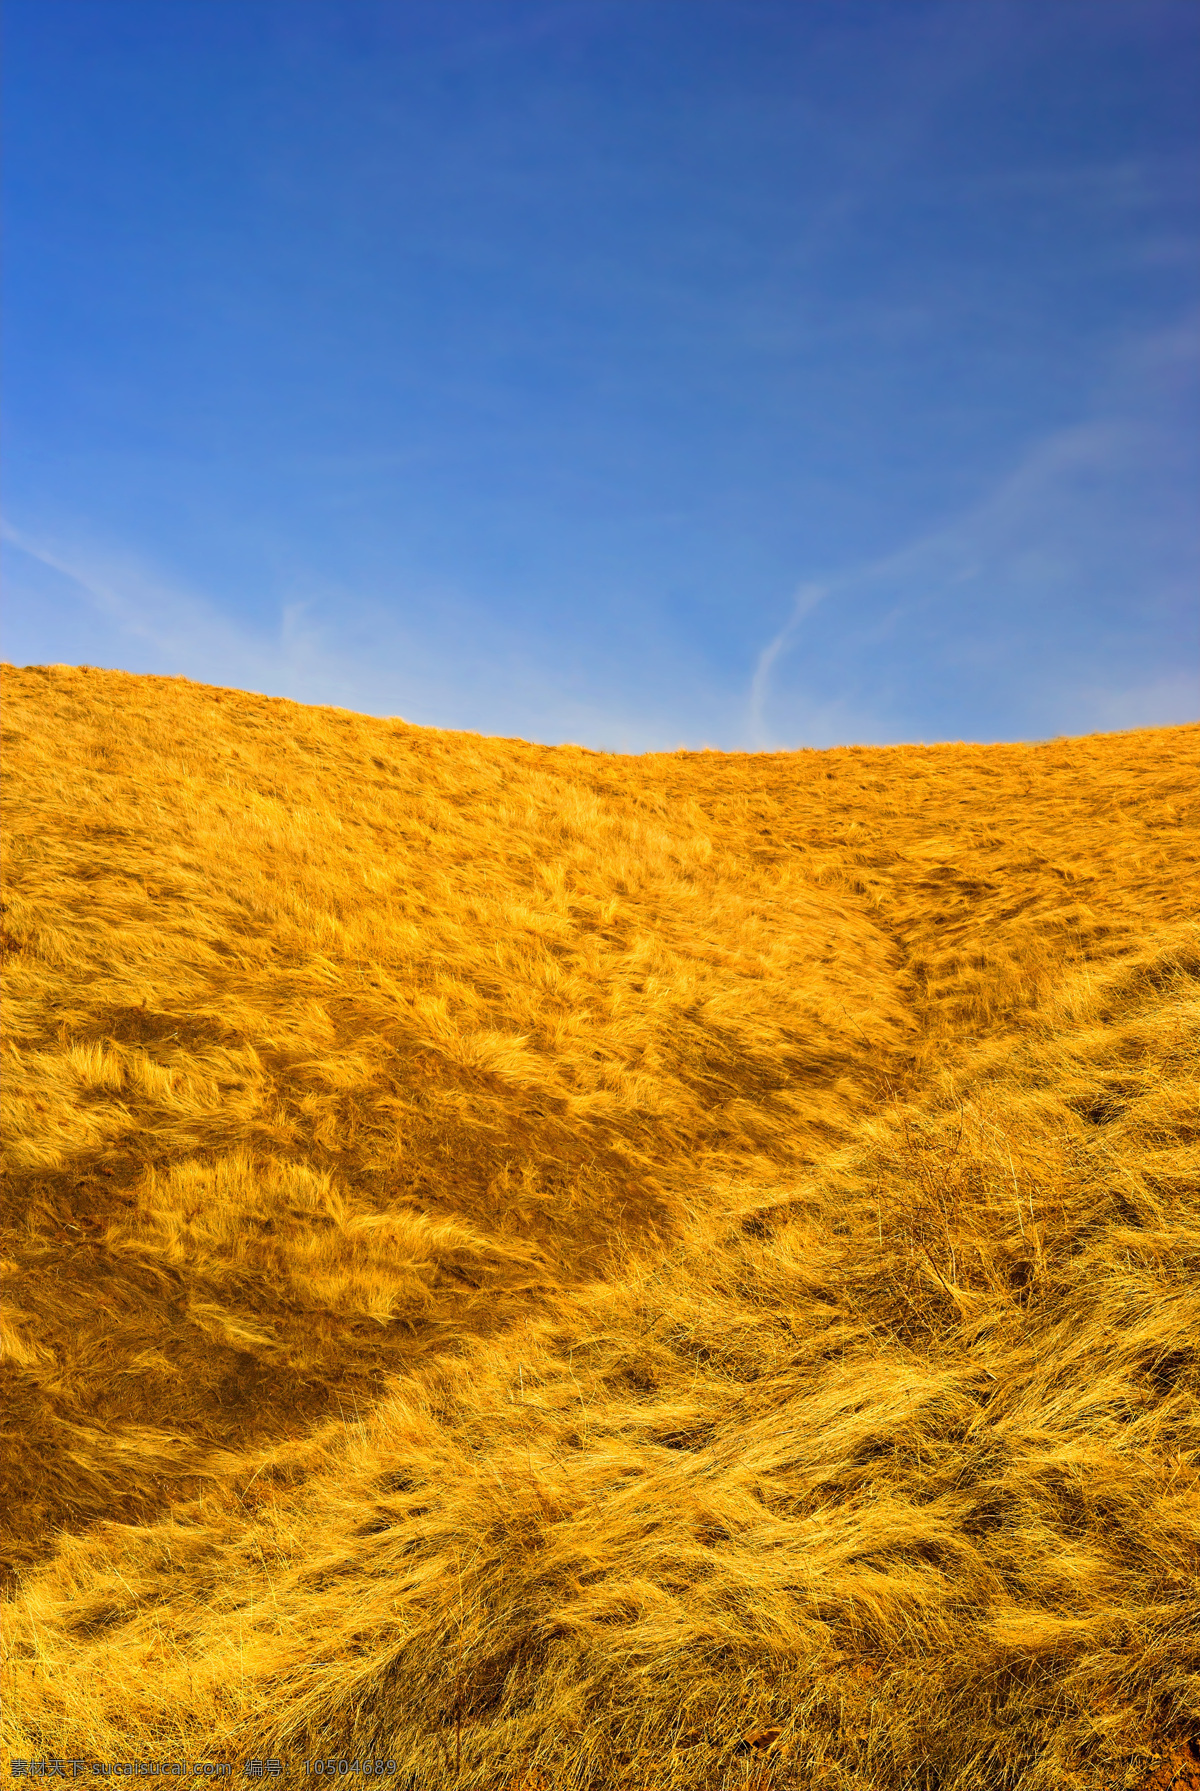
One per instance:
(570,1271)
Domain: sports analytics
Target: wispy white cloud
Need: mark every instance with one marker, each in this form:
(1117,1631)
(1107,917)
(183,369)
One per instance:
(183,632)
(1061,601)
(1058,589)
(803,604)
(460,670)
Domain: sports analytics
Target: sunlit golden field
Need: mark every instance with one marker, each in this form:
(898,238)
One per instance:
(559,1270)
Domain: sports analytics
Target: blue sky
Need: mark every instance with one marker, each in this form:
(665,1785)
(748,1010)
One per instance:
(641,373)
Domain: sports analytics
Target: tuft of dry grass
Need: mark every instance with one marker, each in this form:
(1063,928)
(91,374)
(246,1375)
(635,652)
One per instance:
(556,1270)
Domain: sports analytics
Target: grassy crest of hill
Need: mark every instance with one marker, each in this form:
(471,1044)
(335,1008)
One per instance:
(564,1270)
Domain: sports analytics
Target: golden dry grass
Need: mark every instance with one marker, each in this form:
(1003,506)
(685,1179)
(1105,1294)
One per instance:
(561,1270)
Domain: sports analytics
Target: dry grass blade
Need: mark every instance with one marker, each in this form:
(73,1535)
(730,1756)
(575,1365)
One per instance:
(571,1272)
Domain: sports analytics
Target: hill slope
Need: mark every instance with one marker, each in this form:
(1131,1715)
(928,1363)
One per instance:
(552,1267)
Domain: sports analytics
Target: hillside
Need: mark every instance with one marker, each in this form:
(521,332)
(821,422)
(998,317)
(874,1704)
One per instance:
(563,1270)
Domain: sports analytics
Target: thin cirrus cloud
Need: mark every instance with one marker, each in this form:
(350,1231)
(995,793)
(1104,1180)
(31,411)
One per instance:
(322,647)
(1065,571)
(1057,585)
(1061,573)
